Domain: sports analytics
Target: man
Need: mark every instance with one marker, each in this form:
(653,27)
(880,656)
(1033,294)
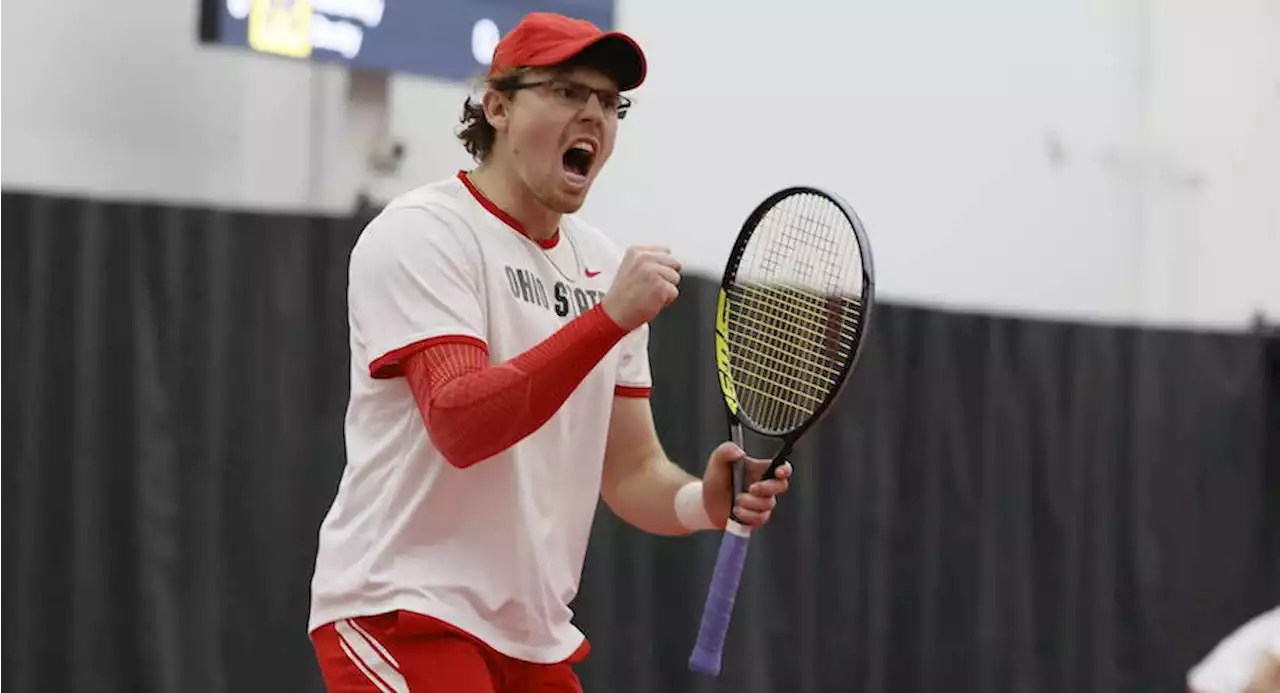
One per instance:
(1246,661)
(499,388)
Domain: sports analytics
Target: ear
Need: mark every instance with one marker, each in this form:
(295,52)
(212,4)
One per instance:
(497,109)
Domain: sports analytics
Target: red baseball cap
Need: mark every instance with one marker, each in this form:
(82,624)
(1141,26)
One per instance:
(543,39)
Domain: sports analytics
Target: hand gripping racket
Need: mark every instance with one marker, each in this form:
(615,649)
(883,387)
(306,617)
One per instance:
(794,304)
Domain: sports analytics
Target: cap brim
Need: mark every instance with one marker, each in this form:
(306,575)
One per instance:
(614,53)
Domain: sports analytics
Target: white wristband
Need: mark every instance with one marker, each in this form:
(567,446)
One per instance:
(690,509)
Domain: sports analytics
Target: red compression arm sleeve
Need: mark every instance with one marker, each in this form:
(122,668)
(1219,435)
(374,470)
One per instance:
(474,411)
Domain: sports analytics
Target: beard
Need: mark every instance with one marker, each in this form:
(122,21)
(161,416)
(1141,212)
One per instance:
(551,191)
(560,202)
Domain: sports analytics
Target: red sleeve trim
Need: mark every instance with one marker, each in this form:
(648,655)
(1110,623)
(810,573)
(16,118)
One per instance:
(630,391)
(391,364)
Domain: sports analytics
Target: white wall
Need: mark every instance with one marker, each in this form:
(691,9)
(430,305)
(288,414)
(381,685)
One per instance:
(1212,229)
(1104,158)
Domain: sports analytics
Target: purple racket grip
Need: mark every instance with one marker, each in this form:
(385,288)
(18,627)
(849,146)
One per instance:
(719,605)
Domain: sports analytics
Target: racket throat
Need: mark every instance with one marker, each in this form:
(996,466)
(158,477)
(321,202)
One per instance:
(779,459)
(741,478)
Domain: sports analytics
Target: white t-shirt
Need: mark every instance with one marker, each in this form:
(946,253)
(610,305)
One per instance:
(495,549)
(1231,664)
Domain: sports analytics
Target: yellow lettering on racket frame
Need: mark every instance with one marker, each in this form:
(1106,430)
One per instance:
(723,362)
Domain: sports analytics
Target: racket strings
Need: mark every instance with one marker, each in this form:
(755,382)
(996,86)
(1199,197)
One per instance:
(810,304)
(794,311)
(812,322)
(769,341)
(788,377)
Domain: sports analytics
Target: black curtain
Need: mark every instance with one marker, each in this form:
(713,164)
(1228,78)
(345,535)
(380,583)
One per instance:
(998,504)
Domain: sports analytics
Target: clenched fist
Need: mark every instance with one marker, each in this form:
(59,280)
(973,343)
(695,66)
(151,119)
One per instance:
(645,284)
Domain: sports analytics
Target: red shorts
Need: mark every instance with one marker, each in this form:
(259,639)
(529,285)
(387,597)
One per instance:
(405,651)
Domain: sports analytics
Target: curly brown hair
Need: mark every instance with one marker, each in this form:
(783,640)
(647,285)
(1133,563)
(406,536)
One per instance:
(476,134)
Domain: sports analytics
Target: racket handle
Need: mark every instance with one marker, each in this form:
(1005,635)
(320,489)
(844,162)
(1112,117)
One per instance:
(718,608)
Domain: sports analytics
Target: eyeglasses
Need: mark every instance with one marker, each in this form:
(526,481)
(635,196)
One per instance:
(577,94)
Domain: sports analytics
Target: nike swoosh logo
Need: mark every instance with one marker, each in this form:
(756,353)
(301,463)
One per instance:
(591,274)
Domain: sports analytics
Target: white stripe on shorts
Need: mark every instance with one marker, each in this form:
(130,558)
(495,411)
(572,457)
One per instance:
(370,657)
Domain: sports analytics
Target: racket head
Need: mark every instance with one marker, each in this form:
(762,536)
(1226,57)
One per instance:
(794,305)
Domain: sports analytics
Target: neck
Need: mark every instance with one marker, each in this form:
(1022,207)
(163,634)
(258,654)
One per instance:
(511,195)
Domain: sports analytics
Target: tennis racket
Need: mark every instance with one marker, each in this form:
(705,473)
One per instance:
(793,307)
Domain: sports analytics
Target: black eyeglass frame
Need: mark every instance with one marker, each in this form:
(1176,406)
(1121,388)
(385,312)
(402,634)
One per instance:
(623,106)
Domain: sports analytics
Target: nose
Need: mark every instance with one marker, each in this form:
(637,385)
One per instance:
(593,109)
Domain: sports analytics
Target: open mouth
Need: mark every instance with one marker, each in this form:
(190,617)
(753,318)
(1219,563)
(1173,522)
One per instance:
(579,157)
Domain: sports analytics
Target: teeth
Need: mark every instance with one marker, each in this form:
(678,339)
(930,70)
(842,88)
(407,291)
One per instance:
(585,146)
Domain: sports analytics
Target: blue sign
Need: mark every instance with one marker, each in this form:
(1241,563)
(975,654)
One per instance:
(449,39)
